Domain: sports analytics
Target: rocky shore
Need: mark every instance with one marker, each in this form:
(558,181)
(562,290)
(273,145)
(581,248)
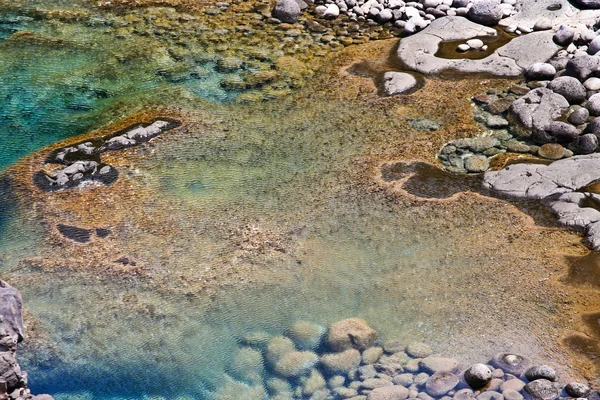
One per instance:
(13,381)
(81,162)
(349,361)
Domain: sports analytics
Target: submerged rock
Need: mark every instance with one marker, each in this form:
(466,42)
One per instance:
(351,333)
(478,376)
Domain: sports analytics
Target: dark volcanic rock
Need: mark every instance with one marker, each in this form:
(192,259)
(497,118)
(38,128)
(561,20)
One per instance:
(570,88)
(582,67)
(587,3)
(541,389)
(586,144)
(478,376)
(540,372)
(562,132)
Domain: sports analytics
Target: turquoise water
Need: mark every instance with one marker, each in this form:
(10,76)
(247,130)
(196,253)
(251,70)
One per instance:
(62,80)
(280,175)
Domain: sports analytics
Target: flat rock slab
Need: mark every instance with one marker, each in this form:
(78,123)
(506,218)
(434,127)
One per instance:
(538,181)
(529,12)
(417,52)
(559,186)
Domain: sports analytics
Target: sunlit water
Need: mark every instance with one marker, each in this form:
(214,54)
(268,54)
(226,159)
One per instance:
(343,252)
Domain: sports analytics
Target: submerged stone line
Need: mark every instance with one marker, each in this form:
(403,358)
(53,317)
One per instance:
(82,160)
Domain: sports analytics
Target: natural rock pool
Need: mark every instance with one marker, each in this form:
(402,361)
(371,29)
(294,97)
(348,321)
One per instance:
(250,216)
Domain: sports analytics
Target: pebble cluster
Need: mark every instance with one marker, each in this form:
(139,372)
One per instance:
(413,16)
(348,361)
(556,115)
(81,162)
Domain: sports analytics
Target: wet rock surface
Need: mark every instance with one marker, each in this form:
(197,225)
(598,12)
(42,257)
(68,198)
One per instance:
(13,381)
(561,186)
(506,376)
(81,163)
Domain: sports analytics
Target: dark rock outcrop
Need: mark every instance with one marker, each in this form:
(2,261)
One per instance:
(13,381)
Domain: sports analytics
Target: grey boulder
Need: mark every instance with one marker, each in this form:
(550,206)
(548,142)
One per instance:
(541,389)
(570,88)
(593,105)
(478,376)
(540,72)
(485,12)
(563,35)
(398,83)
(540,372)
(286,11)
(582,67)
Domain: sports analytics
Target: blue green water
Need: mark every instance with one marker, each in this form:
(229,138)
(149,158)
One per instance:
(61,80)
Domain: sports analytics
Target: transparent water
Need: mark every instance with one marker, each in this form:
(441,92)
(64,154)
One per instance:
(254,218)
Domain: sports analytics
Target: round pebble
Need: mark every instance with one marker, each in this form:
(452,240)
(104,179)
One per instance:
(418,350)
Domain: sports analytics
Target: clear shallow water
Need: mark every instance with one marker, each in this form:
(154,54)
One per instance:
(60,80)
(323,249)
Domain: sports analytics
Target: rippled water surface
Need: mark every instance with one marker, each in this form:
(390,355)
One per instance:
(247,219)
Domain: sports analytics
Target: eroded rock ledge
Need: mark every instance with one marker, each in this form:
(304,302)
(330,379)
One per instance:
(564,186)
(13,381)
(81,162)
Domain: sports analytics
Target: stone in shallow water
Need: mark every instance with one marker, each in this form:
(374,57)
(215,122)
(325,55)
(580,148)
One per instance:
(313,383)
(418,350)
(248,365)
(398,83)
(349,333)
(511,394)
(464,394)
(388,393)
(551,151)
(438,364)
(340,363)
(295,363)
(306,335)
(541,389)
(371,355)
(478,376)
(511,363)
(513,384)
(577,389)
(277,348)
(441,383)
(477,164)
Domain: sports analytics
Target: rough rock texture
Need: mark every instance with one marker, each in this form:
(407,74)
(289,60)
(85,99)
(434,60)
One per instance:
(557,185)
(570,88)
(478,376)
(11,333)
(418,51)
(485,12)
(537,109)
(351,333)
(287,11)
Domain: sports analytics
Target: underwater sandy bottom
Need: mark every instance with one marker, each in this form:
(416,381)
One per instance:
(250,218)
